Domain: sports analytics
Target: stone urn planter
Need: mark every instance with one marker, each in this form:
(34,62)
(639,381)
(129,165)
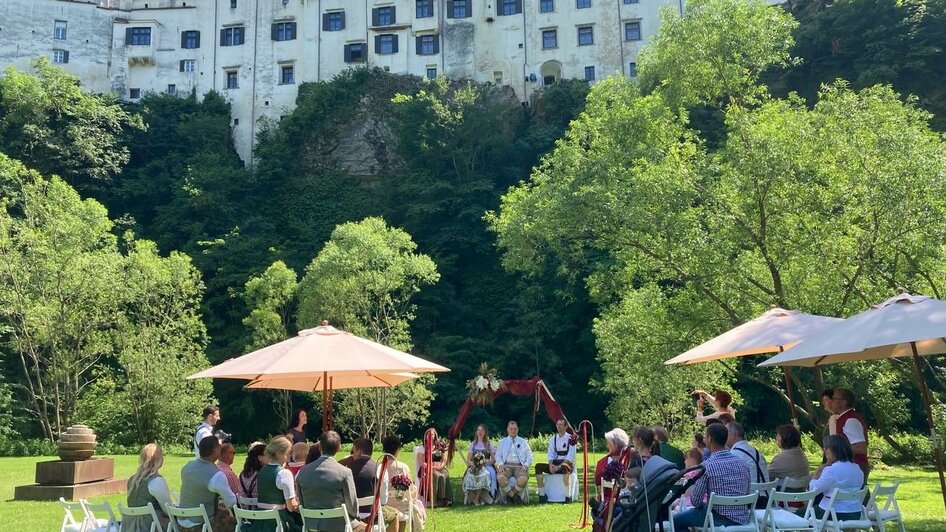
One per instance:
(76,444)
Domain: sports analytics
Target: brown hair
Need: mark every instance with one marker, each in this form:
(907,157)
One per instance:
(695,454)
(723,399)
(791,438)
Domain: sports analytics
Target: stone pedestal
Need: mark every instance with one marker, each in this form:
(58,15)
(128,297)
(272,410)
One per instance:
(39,492)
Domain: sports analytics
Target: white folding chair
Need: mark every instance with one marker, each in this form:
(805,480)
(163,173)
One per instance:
(776,518)
(247,517)
(69,521)
(709,524)
(175,513)
(368,501)
(794,483)
(605,484)
(247,503)
(764,489)
(890,511)
(141,511)
(830,520)
(107,524)
(331,513)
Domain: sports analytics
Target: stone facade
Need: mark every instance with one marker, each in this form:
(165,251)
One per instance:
(256,52)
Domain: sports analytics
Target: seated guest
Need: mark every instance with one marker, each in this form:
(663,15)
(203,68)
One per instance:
(297,458)
(315,451)
(401,502)
(365,471)
(225,464)
(616,440)
(147,485)
(839,472)
(726,418)
(701,445)
(669,452)
(296,430)
(514,458)
(442,492)
(791,460)
(561,455)
(251,467)
(755,462)
(203,483)
(479,482)
(725,475)
(691,458)
(277,490)
(721,402)
(325,484)
(646,445)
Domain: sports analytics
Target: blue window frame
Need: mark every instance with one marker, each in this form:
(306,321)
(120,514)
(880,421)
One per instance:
(549,39)
(546,6)
(425,8)
(586,35)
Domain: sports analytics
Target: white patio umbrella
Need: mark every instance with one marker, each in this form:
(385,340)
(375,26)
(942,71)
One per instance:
(322,357)
(904,325)
(773,331)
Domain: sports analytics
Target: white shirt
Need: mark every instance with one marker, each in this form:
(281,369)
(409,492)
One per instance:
(740,449)
(221,486)
(561,443)
(514,451)
(158,488)
(287,484)
(845,476)
(853,429)
(203,430)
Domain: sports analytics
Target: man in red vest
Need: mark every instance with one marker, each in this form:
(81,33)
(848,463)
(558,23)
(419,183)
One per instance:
(848,422)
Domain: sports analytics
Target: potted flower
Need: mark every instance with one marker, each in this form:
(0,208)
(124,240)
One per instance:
(400,483)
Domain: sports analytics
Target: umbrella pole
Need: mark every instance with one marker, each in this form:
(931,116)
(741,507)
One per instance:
(324,401)
(929,417)
(791,395)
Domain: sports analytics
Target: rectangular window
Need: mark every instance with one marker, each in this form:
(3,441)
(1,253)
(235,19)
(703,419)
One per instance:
(138,36)
(546,6)
(632,31)
(356,52)
(582,4)
(431,72)
(498,77)
(589,73)
(233,4)
(232,36)
(385,44)
(172,89)
(333,21)
(425,8)
(188,65)
(287,75)
(60,56)
(549,39)
(459,9)
(284,31)
(632,70)
(383,16)
(631,1)
(510,7)
(586,36)
(428,44)
(190,39)
(59,30)
(134,94)
(233,79)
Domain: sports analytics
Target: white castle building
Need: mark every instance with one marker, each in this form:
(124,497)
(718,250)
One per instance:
(257,52)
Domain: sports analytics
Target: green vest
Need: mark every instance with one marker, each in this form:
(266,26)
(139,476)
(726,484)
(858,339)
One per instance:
(140,496)
(266,490)
(195,476)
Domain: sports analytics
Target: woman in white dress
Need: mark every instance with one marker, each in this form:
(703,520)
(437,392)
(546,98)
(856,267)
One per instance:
(401,502)
(479,484)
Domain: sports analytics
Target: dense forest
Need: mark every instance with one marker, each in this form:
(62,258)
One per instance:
(581,237)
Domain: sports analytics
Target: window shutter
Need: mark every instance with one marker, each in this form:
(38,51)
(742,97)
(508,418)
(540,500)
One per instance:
(394,43)
(518,6)
(197,33)
(348,53)
(377,44)
(273,31)
(65,56)
(393,14)
(436,44)
(182,65)
(419,44)
(239,38)
(374,17)
(127,36)
(343,19)
(183,39)
(324,21)
(223,34)
(449,8)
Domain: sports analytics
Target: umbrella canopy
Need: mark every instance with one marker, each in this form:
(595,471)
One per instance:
(345,381)
(890,329)
(773,331)
(317,352)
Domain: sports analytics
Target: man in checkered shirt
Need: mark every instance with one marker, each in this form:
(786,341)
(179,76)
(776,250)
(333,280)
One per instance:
(725,475)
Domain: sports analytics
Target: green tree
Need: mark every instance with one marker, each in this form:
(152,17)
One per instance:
(363,280)
(48,122)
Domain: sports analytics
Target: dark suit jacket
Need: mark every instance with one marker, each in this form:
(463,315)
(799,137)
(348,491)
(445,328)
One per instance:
(365,471)
(327,484)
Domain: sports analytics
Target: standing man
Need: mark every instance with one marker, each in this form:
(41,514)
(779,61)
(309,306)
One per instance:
(206,427)
(848,422)
(561,455)
(513,460)
(325,484)
(203,483)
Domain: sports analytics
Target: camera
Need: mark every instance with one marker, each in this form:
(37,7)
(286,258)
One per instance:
(223,437)
(695,396)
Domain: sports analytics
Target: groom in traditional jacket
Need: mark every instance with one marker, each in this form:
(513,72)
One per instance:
(561,457)
(513,460)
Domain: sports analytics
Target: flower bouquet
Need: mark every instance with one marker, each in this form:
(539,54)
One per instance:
(484,386)
(613,471)
(400,483)
(439,450)
(478,461)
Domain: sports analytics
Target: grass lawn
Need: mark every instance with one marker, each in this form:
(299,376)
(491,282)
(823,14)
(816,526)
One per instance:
(919,498)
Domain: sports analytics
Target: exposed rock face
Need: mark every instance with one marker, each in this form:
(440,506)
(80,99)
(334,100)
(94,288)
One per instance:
(76,444)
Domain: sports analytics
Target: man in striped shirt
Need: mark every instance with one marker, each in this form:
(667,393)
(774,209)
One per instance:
(725,475)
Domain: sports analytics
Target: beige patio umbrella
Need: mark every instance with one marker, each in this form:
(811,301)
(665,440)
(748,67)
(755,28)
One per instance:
(904,325)
(322,357)
(775,330)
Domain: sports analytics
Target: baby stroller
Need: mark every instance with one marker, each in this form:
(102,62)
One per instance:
(649,503)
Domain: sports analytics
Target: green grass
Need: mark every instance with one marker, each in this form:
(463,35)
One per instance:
(919,498)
